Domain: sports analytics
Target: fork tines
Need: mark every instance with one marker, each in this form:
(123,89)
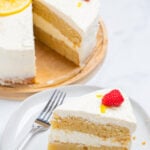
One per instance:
(55,100)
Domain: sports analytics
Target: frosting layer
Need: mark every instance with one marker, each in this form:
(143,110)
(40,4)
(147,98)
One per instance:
(16,64)
(16,31)
(17,56)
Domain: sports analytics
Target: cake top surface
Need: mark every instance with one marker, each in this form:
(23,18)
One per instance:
(79,12)
(16,31)
(89,107)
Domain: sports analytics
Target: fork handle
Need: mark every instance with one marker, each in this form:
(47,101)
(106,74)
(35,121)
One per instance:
(35,129)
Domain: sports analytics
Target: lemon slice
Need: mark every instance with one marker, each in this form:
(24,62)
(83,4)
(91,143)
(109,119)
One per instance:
(9,7)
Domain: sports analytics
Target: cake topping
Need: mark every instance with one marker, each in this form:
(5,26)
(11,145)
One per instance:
(113,99)
(99,95)
(9,7)
(103,108)
(79,4)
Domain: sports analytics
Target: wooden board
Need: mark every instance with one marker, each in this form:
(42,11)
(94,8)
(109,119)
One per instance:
(54,70)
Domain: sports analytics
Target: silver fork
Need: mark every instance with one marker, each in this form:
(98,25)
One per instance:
(42,121)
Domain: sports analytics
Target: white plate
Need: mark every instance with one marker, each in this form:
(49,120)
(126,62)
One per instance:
(21,121)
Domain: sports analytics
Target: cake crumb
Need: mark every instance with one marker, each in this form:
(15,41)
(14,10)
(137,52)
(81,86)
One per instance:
(143,143)
(134,137)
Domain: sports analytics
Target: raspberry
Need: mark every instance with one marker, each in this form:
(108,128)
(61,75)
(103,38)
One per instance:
(113,99)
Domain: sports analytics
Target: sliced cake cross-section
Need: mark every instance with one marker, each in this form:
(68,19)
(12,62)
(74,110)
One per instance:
(69,27)
(85,123)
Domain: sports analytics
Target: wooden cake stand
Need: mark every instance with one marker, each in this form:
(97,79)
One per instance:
(54,70)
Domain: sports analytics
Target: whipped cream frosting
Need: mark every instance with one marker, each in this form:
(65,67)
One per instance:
(74,137)
(88,108)
(17,55)
(16,31)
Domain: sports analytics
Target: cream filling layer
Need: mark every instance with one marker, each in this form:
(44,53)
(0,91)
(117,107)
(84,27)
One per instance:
(80,138)
(51,30)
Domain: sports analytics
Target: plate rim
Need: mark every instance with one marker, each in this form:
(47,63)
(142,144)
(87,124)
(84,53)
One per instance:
(27,100)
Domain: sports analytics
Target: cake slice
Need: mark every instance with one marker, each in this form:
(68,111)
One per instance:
(102,120)
(69,27)
(17,53)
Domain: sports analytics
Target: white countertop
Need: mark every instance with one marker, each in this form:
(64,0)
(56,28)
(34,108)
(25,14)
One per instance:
(127,63)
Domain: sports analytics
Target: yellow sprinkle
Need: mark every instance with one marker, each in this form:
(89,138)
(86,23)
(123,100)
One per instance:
(103,108)
(99,96)
(143,143)
(79,4)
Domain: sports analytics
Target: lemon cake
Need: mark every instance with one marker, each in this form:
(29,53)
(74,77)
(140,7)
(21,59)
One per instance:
(69,27)
(102,120)
(17,54)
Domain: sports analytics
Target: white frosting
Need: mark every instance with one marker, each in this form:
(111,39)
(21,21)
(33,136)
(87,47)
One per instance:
(16,31)
(17,56)
(16,64)
(84,20)
(81,138)
(88,107)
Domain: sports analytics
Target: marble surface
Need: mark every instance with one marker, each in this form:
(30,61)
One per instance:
(127,63)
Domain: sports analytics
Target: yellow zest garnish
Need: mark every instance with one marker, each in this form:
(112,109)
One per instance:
(79,4)
(9,7)
(99,96)
(103,108)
